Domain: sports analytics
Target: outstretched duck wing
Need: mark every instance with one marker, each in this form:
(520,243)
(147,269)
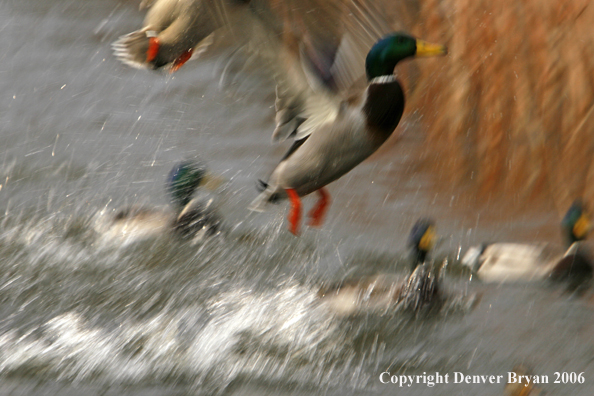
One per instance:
(316,52)
(308,95)
(325,68)
(303,102)
(300,109)
(340,62)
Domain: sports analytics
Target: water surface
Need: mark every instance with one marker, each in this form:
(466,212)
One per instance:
(83,135)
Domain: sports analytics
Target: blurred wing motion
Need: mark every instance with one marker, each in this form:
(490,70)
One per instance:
(146,4)
(175,31)
(337,53)
(315,63)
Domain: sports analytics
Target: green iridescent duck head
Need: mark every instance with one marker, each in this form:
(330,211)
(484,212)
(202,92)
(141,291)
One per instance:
(184,179)
(391,49)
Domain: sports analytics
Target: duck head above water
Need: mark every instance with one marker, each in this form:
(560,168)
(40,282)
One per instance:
(575,225)
(183,181)
(421,240)
(388,51)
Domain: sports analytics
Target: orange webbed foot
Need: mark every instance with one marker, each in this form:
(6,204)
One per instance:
(319,210)
(153,49)
(183,58)
(295,214)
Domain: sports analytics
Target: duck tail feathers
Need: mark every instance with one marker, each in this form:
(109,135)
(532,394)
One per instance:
(261,185)
(132,49)
(267,195)
(259,204)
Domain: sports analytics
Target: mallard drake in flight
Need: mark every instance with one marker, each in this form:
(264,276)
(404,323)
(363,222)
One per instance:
(335,130)
(508,262)
(187,217)
(174,31)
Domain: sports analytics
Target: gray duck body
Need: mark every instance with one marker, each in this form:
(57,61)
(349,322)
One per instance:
(361,127)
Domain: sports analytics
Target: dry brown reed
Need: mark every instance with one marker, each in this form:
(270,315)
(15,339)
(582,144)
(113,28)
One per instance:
(510,114)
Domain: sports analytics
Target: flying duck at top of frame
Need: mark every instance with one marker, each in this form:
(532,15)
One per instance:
(174,31)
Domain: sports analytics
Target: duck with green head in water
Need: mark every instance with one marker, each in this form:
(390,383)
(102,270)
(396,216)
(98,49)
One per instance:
(187,217)
(418,291)
(513,262)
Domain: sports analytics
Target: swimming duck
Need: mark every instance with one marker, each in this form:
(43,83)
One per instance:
(508,262)
(334,131)
(174,31)
(188,218)
(377,293)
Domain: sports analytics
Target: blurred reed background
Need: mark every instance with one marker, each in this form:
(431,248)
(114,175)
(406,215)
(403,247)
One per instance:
(510,116)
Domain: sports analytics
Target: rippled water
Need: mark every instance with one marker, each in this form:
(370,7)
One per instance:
(83,135)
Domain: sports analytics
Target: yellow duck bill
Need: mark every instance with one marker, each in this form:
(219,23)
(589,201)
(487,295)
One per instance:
(425,48)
